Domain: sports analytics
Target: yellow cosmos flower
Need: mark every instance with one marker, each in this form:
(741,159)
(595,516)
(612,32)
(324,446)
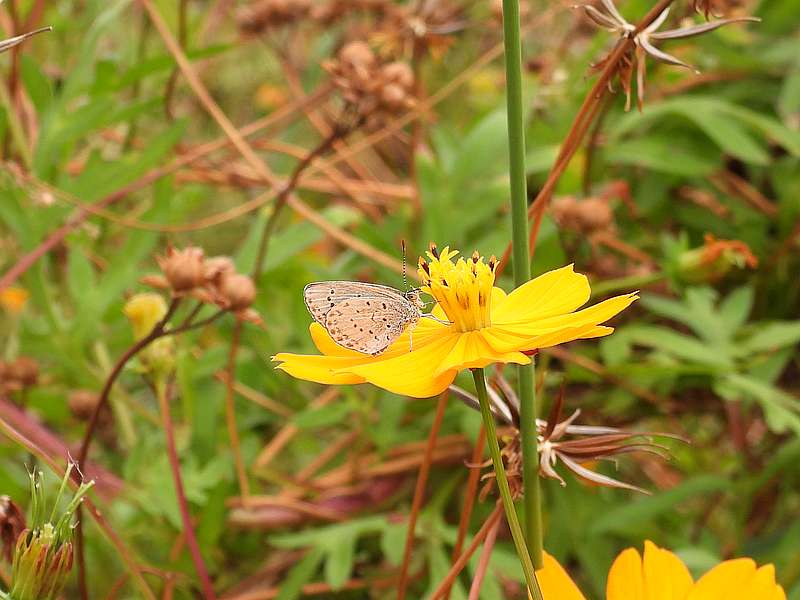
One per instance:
(660,575)
(476,324)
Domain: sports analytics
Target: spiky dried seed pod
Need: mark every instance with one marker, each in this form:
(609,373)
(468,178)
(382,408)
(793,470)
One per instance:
(184,269)
(357,55)
(238,291)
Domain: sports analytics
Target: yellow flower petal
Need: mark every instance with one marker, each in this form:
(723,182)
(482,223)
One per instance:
(530,335)
(413,373)
(626,579)
(325,344)
(665,575)
(738,578)
(555,583)
(320,369)
(473,351)
(554,293)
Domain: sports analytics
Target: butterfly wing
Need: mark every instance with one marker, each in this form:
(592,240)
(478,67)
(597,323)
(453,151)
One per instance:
(370,324)
(322,296)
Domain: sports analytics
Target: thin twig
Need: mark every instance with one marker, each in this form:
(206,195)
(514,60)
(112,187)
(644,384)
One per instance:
(419,493)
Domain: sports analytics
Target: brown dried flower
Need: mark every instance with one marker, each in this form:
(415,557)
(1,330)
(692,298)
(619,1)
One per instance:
(21,373)
(82,403)
(420,26)
(183,268)
(585,217)
(375,91)
(326,13)
(238,291)
(267,14)
(572,445)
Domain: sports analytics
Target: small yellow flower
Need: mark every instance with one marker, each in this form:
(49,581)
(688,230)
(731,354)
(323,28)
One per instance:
(660,574)
(14,299)
(479,324)
(144,311)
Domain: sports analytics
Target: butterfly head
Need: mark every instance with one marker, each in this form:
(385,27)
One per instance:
(413,296)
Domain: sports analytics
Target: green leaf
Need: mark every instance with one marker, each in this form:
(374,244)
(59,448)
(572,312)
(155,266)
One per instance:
(772,336)
(339,561)
(321,417)
(629,516)
(36,83)
(736,307)
(299,575)
(782,410)
(680,345)
(660,154)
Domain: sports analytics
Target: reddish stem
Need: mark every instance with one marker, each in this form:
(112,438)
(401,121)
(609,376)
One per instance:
(419,493)
(447,582)
(183,505)
(483,563)
(469,496)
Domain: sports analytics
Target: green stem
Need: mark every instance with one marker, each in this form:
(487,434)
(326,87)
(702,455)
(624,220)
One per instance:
(502,485)
(522,273)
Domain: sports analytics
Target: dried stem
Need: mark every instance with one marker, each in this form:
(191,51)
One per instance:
(419,493)
(183,505)
(447,582)
(470,493)
(483,563)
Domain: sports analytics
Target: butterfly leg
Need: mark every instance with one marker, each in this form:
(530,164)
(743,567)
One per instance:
(437,319)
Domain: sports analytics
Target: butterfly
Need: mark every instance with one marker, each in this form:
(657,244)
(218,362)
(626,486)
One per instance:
(365,317)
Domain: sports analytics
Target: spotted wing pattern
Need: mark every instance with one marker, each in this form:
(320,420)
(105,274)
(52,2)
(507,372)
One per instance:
(370,324)
(322,296)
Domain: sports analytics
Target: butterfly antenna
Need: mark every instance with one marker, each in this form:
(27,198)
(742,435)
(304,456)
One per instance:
(405,279)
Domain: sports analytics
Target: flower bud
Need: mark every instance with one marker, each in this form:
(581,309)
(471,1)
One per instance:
(238,291)
(43,554)
(144,311)
(183,268)
(715,259)
(13,299)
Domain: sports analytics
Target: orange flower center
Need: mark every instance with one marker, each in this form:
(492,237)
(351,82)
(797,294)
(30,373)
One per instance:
(462,288)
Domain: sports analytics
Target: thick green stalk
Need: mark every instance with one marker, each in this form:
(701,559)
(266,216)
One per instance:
(522,272)
(502,485)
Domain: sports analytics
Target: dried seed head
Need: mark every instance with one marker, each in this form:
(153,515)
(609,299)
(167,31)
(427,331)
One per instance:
(357,55)
(267,14)
(82,403)
(399,73)
(183,269)
(376,91)
(238,291)
(216,267)
(22,372)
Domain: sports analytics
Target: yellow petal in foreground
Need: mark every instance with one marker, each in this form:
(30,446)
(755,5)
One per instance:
(555,583)
(739,578)
(665,575)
